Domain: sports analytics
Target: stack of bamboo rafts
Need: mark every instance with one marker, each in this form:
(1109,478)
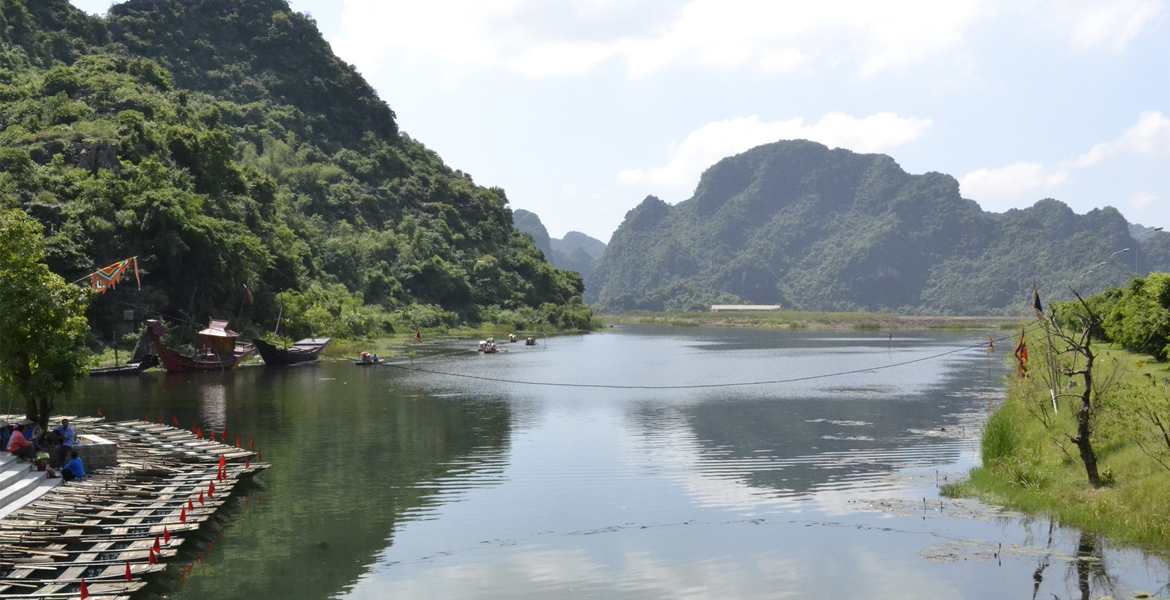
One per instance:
(122,524)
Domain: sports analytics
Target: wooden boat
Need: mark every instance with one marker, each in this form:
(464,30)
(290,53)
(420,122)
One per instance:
(127,369)
(530,341)
(308,349)
(220,350)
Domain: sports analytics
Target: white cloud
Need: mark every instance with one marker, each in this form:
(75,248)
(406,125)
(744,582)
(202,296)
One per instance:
(557,37)
(996,189)
(542,37)
(1142,200)
(1115,23)
(1148,138)
(714,141)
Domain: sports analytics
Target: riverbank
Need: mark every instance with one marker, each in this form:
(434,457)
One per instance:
(813,320)
(1030,465)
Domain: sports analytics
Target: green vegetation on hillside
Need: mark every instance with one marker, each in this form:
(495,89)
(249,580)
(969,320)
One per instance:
(574,252)
(224,145)
(1030,461)
(799,225)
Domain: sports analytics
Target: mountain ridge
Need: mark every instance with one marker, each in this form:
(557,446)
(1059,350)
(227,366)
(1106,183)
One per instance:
(796,224)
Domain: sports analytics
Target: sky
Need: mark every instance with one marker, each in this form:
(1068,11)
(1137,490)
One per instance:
(579,109)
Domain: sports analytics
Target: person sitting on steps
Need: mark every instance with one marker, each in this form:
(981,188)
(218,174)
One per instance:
(64,437)
(20,447)
(73,469)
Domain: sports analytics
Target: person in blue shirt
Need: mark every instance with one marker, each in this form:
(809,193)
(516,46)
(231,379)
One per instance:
(64,437)
(73,469)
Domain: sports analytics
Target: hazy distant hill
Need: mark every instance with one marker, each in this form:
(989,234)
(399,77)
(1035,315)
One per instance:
(797,224)
(575,252)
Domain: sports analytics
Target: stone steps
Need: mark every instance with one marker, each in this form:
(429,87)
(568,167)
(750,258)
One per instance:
(21,483)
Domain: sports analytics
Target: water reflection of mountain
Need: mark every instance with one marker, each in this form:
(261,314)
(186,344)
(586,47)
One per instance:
(796,447)
(351,454)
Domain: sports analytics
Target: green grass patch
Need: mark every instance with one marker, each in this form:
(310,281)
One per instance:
(1029,464)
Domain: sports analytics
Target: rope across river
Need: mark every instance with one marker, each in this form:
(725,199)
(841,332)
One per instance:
(408,367)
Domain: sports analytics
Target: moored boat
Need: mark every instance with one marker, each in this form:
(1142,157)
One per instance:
(220,350)
(134,368)
(308,349)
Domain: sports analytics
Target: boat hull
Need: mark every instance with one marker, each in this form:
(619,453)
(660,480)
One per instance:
(303,351)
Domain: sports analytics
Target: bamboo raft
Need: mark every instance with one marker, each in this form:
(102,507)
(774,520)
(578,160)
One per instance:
(110,523)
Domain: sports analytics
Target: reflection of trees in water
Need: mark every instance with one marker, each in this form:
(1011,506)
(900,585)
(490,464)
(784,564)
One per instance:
(348,460)
(1088,570)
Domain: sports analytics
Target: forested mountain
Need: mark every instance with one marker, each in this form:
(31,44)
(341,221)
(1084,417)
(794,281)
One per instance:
(797,224)
(574,252)
(223,144)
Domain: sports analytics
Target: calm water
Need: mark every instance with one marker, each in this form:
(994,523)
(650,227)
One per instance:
(397,484)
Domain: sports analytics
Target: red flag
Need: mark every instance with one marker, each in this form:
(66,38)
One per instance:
(160,419)
(157,546)
(151,558)
(192,426)
(190,507)
(167,535)
(99,412)
(199,433)
(259,456)
(211,490)
(176,421)
(222,461)
(246,465)
(129,577)
(417,336)
(237,441)
(213,436)
(144,417)
(84,589)
(224,436)
(201,497)
(183,514)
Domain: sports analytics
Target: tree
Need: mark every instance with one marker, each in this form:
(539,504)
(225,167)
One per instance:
(1076,337)
(42,320)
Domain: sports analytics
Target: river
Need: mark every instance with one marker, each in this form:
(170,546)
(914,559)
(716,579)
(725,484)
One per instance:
(416,483)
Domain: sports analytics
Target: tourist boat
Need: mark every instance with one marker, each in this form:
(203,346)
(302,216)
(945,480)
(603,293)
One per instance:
(511,338)
(530,341)
(134,368)
(220,350)
(306,350)
(368,360)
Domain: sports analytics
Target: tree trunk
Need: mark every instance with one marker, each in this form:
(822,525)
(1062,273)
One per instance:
(1084,444)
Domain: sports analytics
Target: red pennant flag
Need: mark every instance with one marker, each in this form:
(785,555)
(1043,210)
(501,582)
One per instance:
(246,462)
(84,589)
(190,507)
(213,436)
(160,420)
(152,559)
(129,577)
(222,461)
(200,497)
(176,421)
(183,514)
(211,490)
(252,443)
(237,441)
(157,546)
(259,456)
(167,535)
(99,412)
(199,433)
(192,426)
(224,436)
(144,417)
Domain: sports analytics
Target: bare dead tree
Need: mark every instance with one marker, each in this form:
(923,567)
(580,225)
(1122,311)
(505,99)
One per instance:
(1080,345)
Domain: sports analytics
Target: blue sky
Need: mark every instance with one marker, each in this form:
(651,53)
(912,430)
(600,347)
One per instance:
(580,109)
